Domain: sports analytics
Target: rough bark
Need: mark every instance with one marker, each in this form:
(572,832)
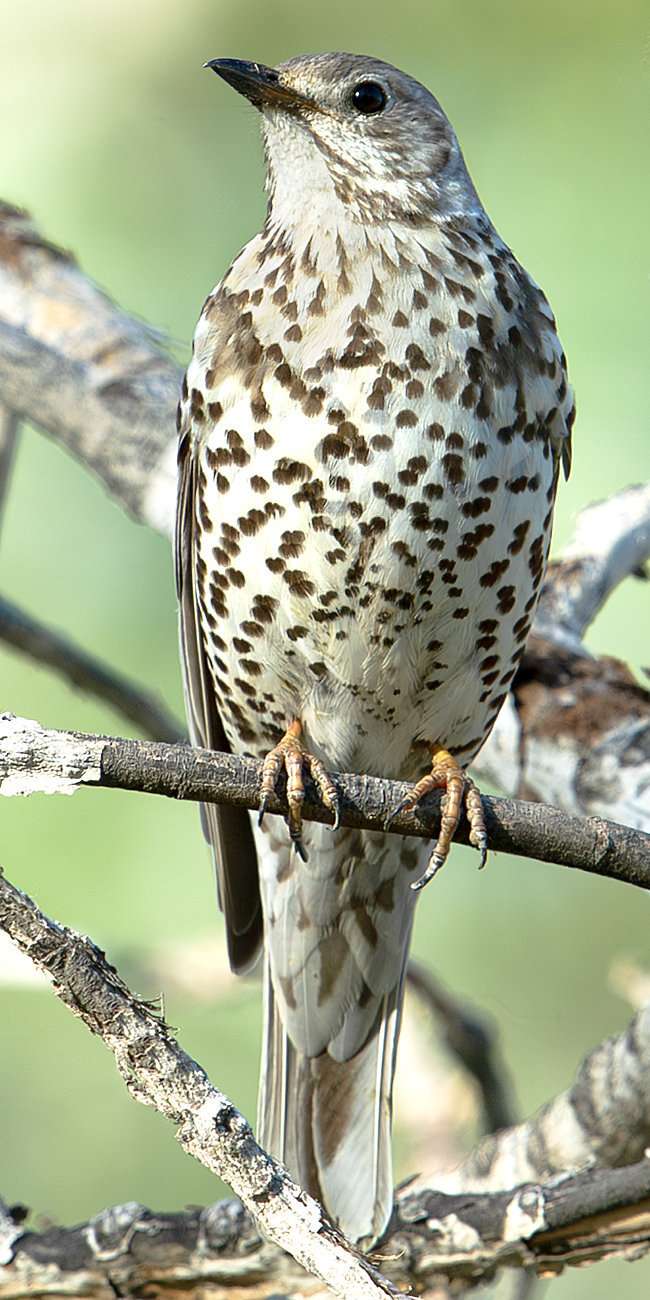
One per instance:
(33,758)
(157,1072)
(481,1221)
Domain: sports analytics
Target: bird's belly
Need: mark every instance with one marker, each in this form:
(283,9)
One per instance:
(376,617)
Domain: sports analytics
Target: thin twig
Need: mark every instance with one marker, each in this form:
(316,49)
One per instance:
(82,670)
(472,1040)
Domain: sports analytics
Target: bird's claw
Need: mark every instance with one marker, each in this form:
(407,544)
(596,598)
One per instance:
(290,753)
(446,773)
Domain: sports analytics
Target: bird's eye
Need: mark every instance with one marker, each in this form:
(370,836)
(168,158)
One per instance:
(369,97)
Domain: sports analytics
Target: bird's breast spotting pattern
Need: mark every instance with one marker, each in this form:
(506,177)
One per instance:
(378,444)
(371,431)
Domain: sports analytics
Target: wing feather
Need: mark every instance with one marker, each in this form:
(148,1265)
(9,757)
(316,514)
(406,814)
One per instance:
(227,829)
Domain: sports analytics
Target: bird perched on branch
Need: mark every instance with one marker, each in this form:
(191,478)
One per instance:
(371,432)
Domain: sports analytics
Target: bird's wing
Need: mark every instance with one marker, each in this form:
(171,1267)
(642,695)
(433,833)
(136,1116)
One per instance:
(227,829)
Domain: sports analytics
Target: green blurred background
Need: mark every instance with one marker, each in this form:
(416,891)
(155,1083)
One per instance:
(150,169)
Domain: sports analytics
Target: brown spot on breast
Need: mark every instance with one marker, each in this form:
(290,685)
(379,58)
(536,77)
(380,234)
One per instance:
(446,385)
(251,667)
(406,419)
(315,307)
(293,544)
(395,502)
(506,599)
(400,320)
(436,326)
(251,523)
(196,406)
(479,506)
(453,467)
(416,358)
(259,406)
(495,571)
(291,471)
(223,484)
(313,402)
(380,389)
(215,458)
(381,442)
(298,582)
(519,534)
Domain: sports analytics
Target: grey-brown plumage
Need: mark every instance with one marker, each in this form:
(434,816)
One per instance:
(371,430)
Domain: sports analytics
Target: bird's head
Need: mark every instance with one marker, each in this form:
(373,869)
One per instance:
(352,130)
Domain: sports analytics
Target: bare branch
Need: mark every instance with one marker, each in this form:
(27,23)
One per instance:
(33,758)
(88,674)
(462,1234)
(473,1042)
(611,541)
(602,1121)
(575,731)
(86,373)
(158,1073)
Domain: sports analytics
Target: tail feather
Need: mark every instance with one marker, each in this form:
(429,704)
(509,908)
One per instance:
(330,1121)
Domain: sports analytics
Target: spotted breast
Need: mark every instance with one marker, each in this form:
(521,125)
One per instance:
(371,431)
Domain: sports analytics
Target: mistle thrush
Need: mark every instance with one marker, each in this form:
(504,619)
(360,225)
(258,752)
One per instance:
(371,432)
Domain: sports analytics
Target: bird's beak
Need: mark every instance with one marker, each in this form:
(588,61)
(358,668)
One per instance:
(264,87)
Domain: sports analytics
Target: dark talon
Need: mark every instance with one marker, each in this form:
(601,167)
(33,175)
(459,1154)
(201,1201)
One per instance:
(300,848)
(395,813)
(435,863)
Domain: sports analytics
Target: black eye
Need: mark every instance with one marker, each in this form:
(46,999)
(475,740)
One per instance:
(369,97)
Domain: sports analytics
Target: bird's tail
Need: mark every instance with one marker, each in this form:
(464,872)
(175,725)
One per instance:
(329,1122)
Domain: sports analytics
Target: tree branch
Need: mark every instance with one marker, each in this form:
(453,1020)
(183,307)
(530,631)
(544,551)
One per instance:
(467,1035)
(86,373)
(158,1073)
(575,730)
(88,674)
(462,1234)
(35,759)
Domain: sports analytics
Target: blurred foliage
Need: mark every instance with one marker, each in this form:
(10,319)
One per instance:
(145,165)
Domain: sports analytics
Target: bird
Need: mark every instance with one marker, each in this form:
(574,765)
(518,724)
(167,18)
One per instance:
(371,432)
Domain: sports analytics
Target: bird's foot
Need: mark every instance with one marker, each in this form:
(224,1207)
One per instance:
(447,774)
(291,754)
